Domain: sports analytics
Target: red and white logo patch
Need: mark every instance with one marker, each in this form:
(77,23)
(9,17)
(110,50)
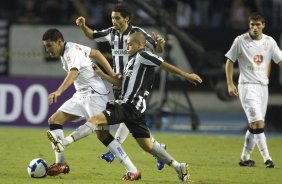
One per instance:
(258,59)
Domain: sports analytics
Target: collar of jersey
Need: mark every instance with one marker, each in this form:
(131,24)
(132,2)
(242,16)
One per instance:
(63,49)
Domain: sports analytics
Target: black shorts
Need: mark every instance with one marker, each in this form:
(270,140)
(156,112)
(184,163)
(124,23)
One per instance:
(117,113)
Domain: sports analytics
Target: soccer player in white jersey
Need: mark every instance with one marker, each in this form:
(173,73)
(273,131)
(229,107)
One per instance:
(136,82)
(117,36)
(91,97)
(253,51)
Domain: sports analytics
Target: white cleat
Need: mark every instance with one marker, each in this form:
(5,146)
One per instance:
(58,143)
(182,171)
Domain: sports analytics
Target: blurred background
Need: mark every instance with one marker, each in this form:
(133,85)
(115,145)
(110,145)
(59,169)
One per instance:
(198,33)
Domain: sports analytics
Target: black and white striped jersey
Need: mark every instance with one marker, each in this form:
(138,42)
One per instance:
(138,78)
(119,45)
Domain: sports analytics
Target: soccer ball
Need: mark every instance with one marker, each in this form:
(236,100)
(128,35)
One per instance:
(37,168)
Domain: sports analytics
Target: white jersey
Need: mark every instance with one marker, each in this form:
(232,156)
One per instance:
(77,56)
(254,57)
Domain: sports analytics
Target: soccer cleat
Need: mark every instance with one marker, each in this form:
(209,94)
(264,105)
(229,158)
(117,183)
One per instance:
(247,163)
(109,157)
(182,171)
(58,168)
(129,176)
(59,147)
(160,164)
(269,164)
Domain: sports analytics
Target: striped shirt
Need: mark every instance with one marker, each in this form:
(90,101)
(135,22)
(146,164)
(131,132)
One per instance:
(119,45)
(138,78)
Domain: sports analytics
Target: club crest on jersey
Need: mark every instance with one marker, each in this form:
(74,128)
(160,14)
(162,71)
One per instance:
(127,73)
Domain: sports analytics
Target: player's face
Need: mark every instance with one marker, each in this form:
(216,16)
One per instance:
(256,28)
(53,48)
(119,23)
(132,46)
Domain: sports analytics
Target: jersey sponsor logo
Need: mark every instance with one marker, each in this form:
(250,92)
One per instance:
(119,52)
(258,59)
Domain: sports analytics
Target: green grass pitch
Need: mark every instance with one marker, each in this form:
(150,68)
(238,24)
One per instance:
(213,159)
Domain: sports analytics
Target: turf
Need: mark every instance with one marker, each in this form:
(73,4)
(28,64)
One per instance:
(213,159)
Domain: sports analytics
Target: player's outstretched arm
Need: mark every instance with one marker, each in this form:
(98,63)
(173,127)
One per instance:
(115,79)
(80,22)
(232,90)
(191,77)
(100,58)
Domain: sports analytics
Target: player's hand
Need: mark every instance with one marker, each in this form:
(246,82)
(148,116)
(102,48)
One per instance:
(193,78)
(97,69)
(158,38)
(232,90)
(52,98)
(80,21)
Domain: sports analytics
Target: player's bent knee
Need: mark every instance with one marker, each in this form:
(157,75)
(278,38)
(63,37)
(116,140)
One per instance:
(102,134)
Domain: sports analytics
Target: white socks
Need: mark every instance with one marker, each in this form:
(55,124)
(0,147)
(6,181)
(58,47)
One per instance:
(262,146)
(249,146)
(255,139)
(122,157)
(122,133)
(60,157)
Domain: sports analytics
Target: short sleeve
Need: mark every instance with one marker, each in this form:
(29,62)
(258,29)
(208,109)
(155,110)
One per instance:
(233,52)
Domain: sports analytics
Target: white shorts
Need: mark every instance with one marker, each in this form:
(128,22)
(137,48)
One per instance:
(254,98)
(85,106)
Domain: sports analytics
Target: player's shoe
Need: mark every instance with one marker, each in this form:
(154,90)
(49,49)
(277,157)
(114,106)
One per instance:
(160,164)
(269,164)
(129,176)
(59,147)
(182,171)
(109,157)
(247,163)
(58,168)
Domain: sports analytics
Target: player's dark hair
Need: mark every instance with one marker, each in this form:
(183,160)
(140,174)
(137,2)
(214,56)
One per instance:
(123,9)
(53,35)
(255,16)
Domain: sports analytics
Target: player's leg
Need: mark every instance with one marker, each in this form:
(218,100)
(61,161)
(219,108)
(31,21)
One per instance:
(249,145)
(261,138)
(160,164)
(254,99)
(56,123)
(121,134)
(249,142)
(161,154)
(93,124)
(142,135)
(258,130)
(114,114)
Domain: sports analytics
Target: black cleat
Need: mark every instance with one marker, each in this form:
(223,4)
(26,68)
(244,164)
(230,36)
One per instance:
(269,164)
(247,163)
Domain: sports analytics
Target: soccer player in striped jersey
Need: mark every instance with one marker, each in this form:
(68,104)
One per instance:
(116,36)
(136,82)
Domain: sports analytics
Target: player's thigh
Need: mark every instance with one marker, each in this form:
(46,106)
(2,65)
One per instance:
(60,117)
(73,106)
(252,102)
(94,105)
